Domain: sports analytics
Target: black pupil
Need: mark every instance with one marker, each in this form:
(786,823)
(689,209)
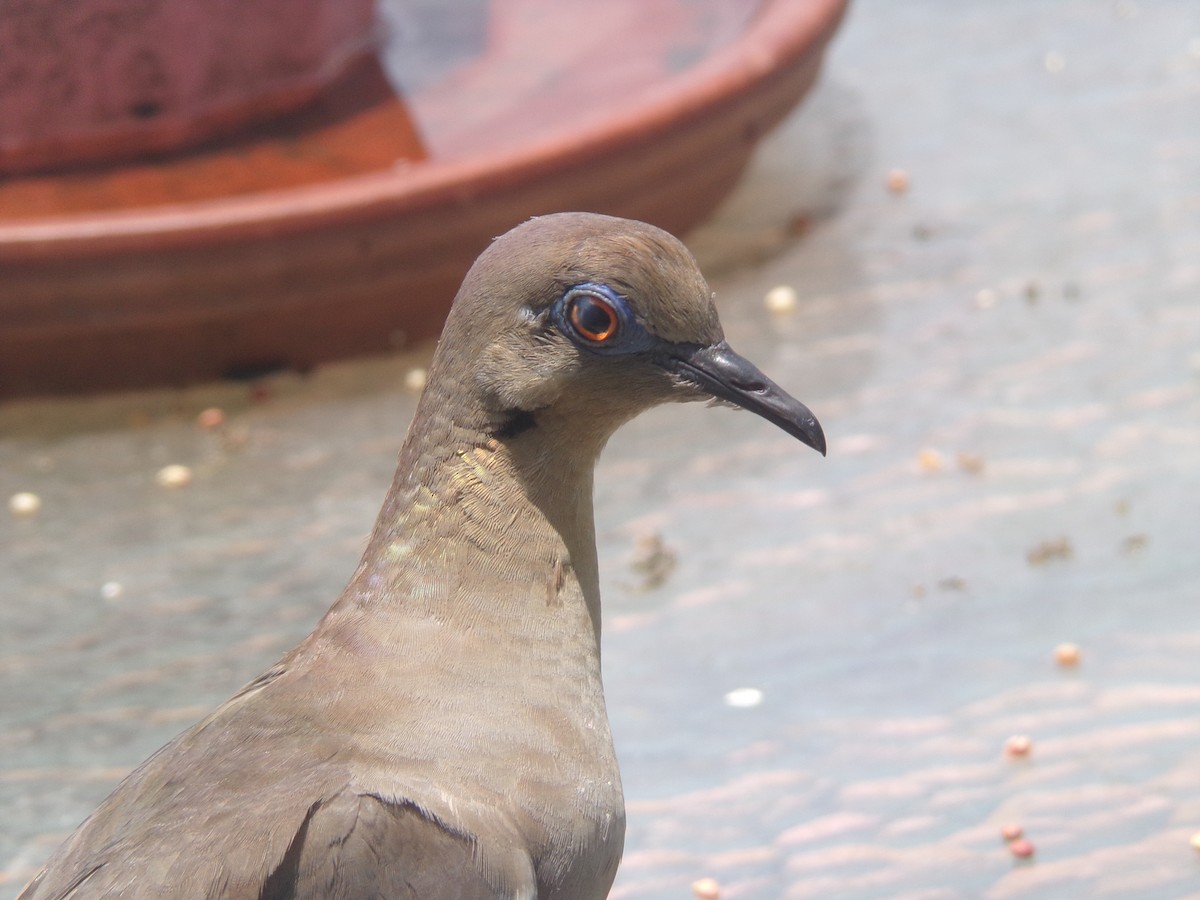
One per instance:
(594,319)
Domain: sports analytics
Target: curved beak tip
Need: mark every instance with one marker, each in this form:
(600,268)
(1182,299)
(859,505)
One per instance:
(721,372)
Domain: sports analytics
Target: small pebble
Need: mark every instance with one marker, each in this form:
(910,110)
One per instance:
(780,299)
(1018,745)
(213,417)
(1012,832)
(706,889)
(1021,848)
(415,379)
(744,698)
(24,504)
(1066,655)
(897,181)
(174,476)
(111,590)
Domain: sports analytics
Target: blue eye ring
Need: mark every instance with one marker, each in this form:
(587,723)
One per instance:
(598,319)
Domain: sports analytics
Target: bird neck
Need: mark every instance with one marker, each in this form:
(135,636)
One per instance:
(471,512)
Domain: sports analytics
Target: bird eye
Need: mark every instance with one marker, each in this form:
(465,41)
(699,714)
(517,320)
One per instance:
(593,317)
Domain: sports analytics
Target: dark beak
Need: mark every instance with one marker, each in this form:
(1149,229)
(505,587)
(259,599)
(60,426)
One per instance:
(733,378)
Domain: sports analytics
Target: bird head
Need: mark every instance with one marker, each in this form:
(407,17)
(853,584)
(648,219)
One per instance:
(580,321)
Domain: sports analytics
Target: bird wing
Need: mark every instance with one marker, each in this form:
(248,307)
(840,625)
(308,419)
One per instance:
(358,846)
(252,804)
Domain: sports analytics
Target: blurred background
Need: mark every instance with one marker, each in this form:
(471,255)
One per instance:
(973,249)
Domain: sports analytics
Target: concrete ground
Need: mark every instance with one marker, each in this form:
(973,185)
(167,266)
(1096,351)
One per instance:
(1006,359)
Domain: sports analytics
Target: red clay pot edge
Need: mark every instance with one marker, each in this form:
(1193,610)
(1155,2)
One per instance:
(780,37)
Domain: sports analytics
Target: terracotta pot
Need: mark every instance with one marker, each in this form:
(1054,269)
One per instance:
(346,229)
(98,80)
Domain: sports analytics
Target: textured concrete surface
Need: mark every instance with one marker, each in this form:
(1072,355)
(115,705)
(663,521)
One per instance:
(1006,358)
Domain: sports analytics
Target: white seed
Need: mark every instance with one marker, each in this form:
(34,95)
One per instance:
(174,476)
(24,504)
(1018,745)
(706,889)
(111,590)
(415,379)
(780,299)
(744,698)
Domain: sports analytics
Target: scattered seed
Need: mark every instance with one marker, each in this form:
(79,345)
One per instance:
(953,583)
(1196,841)
(414,379)
(1048,551)
(111,590)
(1021,848)
(211,418)
(1018,745)
(1054,62)
(1135,543)
(897,181)
(971,463)
(706,889)
(930,460)
(1066,655)
(174,476)
(799,225)
(744,698)
(780,299)
(653,561)
(24,504)
(986,298)
(1012,832)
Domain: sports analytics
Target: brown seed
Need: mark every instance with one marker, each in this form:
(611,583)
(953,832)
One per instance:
(1011,832)
(930,460)
(971,463)
(213,417)
(706,889)
(897,181)
(1066,654)
(1049,551)
(1018,745)
(1021,848)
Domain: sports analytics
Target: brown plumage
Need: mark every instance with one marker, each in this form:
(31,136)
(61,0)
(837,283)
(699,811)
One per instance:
(441,734)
